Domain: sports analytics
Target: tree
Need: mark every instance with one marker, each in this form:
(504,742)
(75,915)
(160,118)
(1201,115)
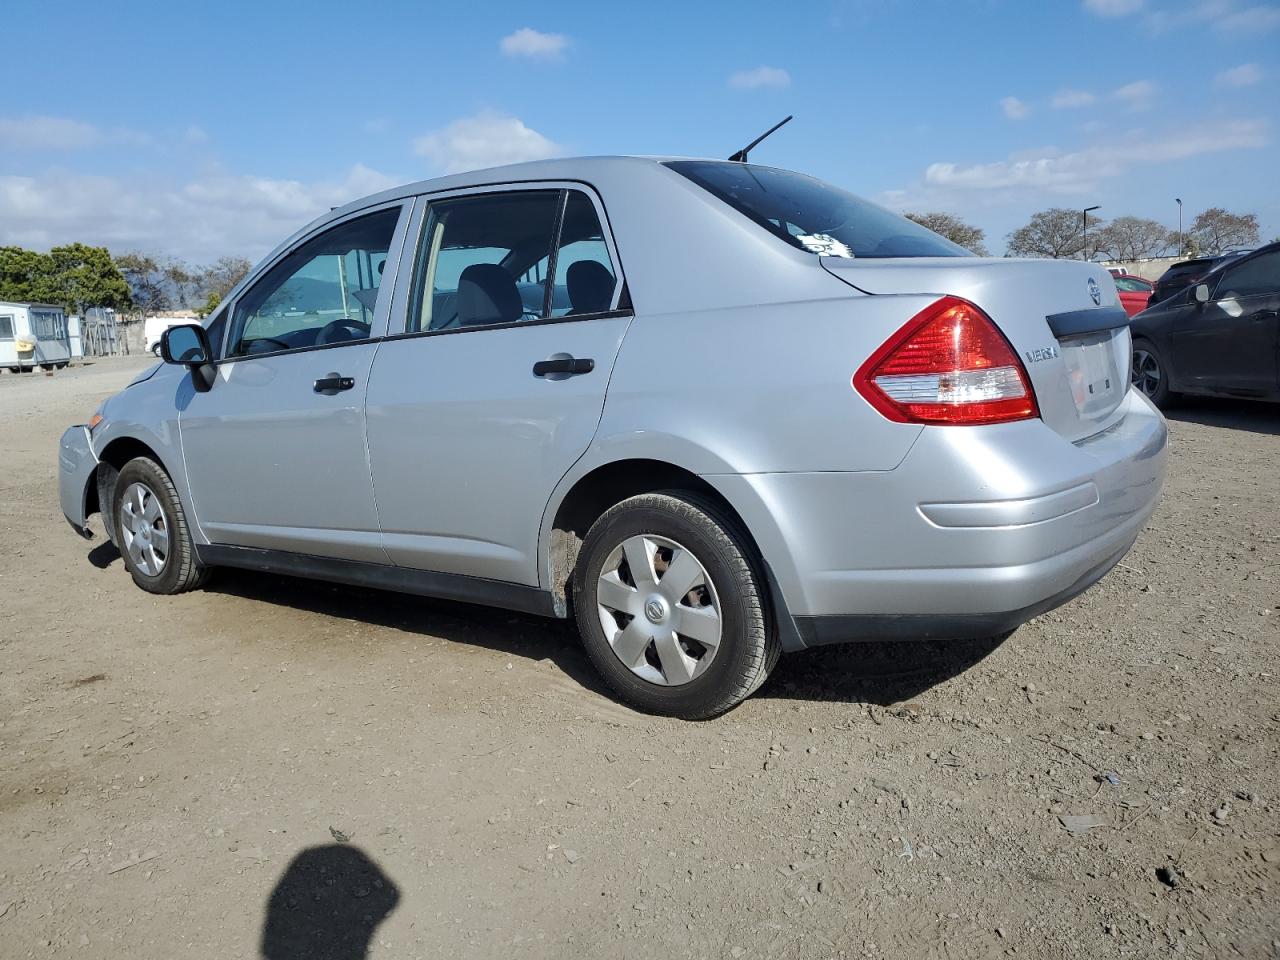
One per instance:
(1132,238)
(74,277)
(1217,231)
(954,229)
(20,271)
(146,281)
(1055,234)
(211,303)
(181,280)
(222,276)
(82,276)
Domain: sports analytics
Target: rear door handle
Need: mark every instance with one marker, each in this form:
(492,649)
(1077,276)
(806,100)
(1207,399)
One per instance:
(569,366)
(333,383)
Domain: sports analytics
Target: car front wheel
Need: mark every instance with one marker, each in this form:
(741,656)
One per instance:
(671,606)
(1149,372)
(152,531)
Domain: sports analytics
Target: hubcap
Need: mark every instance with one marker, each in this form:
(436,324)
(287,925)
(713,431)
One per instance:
(1146,372)
(144,530)
(659,610)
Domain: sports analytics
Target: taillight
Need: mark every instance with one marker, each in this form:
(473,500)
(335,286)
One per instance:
(948,364)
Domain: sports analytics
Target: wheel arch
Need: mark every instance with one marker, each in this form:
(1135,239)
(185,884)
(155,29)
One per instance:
(584,495)
(111,460)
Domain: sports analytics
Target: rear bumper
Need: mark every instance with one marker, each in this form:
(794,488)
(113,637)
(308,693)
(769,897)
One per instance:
(976,531)
(76,464)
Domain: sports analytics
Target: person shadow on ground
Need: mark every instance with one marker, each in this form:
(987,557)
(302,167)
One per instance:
(327,906)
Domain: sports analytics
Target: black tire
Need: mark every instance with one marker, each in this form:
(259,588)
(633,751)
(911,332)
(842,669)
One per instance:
(156,349)
(181,571)
(749,646)
(1150,374)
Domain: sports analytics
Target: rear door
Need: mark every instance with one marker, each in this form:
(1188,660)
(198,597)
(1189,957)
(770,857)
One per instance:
(275,450)
(1229,344)
(496,382)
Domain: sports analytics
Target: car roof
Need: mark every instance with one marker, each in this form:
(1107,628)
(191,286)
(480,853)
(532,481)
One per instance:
(560,168)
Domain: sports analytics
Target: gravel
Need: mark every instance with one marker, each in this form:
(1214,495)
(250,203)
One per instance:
(884,800)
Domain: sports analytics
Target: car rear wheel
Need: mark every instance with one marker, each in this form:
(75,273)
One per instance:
(671,606)
(152,531)
(1149,373)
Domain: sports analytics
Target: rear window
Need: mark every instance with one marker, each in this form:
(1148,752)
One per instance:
(813,215)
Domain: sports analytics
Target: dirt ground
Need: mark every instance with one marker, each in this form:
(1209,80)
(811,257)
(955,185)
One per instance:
(280,767)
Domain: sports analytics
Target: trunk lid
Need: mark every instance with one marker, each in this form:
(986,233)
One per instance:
(1075,351)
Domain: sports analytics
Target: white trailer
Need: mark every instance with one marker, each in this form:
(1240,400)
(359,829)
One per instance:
(33,335)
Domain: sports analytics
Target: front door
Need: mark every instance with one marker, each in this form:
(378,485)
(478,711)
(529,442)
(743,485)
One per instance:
(275,450)
(1229,345)
(498,383)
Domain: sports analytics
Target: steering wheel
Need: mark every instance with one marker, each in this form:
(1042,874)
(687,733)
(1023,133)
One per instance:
(252,346)
(342,330)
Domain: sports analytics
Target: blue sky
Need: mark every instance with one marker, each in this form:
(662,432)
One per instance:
(210,129)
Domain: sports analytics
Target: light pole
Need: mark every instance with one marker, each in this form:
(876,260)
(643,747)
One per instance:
(1178,201)
(1085,224)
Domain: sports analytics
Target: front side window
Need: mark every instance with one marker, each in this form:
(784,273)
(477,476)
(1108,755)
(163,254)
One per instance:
(1258,276)
(812,215)
(6,328)
(325,292)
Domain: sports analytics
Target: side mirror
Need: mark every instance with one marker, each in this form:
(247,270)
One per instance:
(187,345)
(1201,293)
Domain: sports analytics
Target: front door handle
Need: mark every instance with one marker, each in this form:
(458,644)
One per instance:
(332,383)
(568,366)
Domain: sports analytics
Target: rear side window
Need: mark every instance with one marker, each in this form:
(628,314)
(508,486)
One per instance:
(322,293)
(6,328)
(813,215)
(503,258)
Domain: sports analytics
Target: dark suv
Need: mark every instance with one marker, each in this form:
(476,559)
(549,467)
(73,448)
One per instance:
(1183,274)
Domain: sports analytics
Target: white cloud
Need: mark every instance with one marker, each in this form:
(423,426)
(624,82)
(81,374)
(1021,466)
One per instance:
(1070,99)
(534,44)
(195,135)
(1014,108)
(1081,170)
(488,139)
(1245,75)
(1113,8)
(47,133)
(200,220)
(1137,95)
(1252,20)
(760,77)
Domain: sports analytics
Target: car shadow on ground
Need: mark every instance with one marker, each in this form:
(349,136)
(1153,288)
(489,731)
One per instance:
(327,905)
(881,673)
(1256,416)
(876,672)
(104,555)
(504,631)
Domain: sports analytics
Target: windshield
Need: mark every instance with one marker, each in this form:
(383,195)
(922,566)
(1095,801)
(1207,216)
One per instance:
(813,215)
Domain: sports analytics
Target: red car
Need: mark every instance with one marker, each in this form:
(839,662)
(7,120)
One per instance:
(1134,293)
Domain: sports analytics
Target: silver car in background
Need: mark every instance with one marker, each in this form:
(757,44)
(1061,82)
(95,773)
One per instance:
(712,410)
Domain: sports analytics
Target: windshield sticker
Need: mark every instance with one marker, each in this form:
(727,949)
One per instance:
(825,245)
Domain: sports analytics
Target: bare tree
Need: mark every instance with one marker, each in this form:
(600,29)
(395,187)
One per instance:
(954,229)
(222,276)
(1217,231)
(147,282)
(1057,233)
(1132,238)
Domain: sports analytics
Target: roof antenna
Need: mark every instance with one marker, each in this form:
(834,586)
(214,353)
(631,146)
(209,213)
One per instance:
(741,155)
